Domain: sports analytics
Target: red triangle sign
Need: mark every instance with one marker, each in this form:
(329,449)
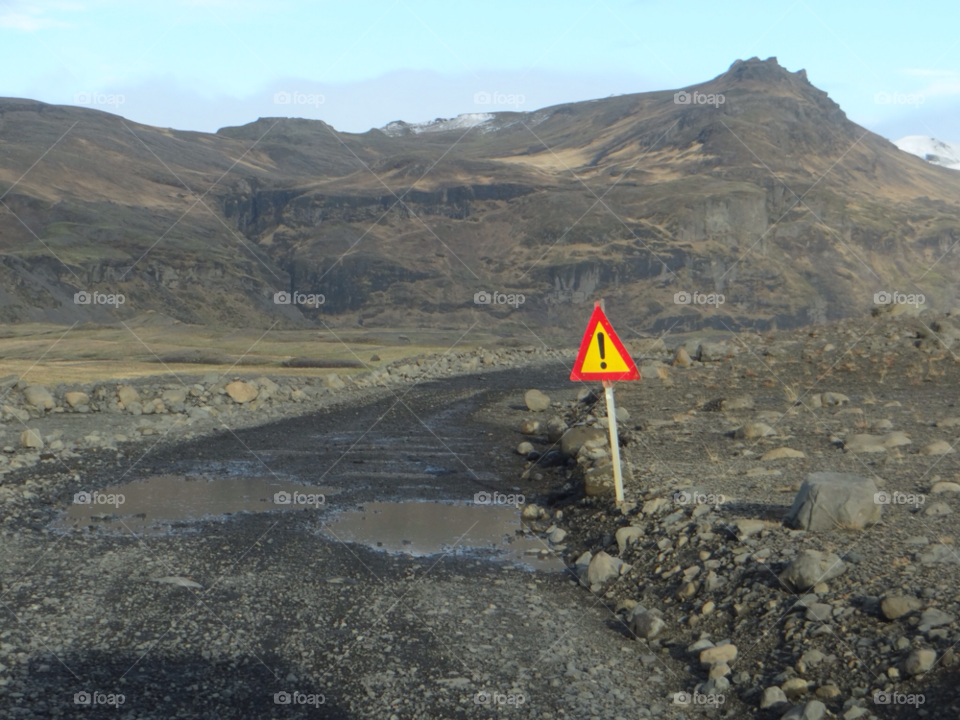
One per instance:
(602,356)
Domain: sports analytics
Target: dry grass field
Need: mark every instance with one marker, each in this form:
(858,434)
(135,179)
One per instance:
(48,354)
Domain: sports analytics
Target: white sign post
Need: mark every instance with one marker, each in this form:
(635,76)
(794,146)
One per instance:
(603,357)
(614,442)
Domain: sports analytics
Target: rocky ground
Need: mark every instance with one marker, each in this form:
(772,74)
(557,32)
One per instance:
(786,548)
(789,531)
(40,423)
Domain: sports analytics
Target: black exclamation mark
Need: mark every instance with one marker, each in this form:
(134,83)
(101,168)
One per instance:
(603,365)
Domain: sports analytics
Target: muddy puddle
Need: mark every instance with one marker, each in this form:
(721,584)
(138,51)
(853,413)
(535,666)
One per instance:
(432,528)
(163,502)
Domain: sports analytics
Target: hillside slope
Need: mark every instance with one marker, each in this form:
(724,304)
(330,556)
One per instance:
(770,196)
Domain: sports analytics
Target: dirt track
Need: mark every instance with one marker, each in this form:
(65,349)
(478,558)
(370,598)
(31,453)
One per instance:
(283,608)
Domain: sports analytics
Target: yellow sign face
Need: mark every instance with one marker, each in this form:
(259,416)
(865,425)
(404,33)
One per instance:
(602,355)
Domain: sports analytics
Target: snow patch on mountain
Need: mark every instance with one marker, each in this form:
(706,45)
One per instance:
(460,122)
(932,150)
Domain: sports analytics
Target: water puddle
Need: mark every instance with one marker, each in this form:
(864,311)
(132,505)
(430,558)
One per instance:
(160,503)
(431,528)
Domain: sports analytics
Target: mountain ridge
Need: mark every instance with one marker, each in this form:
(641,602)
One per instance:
(768,197)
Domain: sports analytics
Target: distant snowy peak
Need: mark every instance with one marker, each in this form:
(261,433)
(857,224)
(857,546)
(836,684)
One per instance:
(932,150)
(460,122)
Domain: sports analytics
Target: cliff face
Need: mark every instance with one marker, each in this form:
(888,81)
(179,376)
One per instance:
(753,185)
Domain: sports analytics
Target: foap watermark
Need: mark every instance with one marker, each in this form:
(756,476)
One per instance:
(498,98)
(899,498)
(498,298)
(298,98)
(687,497)
(698,98)
(99,98)
(897,98)
(298,498)
(98,698)
(298,698)
(485,498)
(686,699)
(98,298)
(895,698)
(898,298)
(283,297)
(486,697)
(698,298)
(98,498)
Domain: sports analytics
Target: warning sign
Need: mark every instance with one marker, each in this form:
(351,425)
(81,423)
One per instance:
(602,355)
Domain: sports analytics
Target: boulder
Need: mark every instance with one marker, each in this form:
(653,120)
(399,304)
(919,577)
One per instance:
(895,439)
(598,480)
(333,382)
(267,388)
(937,509)
(525,448)
(627,536)
(682,358)
(819,612)
(919,661)
(76,399)
(943,486)
(532,512)
(646,624)
(653,370)
(39,397)
(536,401)
(895,606)
(744,402)
(530,427)
(128,395)
(31,439)
(935,617)
(603,568)
(829,500)
(574,438)
(940,447)
(241,392)
(751,431)
(719,653)
(811,567)
(174,396)
(773,697)
(556,427)
(712,352)
(782,453)
(864,444)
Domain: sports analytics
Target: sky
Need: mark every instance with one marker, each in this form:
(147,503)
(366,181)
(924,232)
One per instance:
(356,64)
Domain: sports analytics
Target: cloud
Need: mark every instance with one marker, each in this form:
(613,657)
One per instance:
(942,83)
(26,23)
(30,17)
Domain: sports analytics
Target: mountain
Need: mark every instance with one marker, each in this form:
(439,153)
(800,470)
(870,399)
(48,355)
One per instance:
(753,185)
(932,150)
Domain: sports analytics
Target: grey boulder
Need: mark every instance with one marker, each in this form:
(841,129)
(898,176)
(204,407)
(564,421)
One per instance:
(811,567)
(827,501)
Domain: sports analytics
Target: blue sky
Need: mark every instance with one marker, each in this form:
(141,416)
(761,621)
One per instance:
(204,64)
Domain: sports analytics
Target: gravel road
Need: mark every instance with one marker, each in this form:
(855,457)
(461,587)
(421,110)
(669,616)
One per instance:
(272,602)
